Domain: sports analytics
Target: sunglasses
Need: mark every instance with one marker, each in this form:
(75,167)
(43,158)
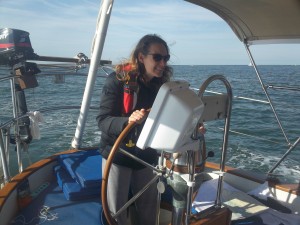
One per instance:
(158,57)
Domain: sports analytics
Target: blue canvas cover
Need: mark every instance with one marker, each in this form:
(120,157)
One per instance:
(79,174)
(85,170)
(72,190)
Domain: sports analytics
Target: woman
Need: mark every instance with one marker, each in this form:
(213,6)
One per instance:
(126,96)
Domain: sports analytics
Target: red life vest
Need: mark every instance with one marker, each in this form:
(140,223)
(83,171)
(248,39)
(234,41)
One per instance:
(130,90)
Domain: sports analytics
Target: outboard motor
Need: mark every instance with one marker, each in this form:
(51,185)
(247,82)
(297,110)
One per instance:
(15,49)
(15,46)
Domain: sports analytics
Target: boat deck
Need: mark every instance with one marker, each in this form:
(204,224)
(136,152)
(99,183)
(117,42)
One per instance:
(55,203)
(52,207)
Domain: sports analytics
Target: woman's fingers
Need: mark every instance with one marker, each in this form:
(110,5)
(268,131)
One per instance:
(137,116)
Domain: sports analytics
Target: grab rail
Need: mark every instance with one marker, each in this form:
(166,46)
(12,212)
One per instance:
(226,128)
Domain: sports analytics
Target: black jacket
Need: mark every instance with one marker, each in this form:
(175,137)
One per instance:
(111,122)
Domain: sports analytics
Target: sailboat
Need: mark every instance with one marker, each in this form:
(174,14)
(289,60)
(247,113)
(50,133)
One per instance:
(68,188)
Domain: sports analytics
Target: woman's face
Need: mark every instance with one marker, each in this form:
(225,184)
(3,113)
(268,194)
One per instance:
(155,61)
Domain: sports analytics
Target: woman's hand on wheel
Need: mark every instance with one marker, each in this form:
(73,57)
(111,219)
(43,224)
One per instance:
(138,116)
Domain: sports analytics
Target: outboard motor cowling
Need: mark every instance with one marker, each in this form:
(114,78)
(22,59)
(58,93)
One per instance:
(14,45)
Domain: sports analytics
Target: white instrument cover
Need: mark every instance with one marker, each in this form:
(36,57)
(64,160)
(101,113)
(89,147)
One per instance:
(172,120)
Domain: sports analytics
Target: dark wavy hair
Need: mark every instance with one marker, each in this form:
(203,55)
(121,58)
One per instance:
(136,67)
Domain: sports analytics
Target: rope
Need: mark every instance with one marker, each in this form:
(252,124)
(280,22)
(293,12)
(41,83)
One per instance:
(44,215)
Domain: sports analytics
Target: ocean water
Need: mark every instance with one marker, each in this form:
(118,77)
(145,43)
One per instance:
(255,142)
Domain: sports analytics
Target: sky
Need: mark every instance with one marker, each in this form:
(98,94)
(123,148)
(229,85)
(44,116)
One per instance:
(64,28)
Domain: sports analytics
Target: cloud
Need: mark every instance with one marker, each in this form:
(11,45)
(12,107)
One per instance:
(56,28)
(61,28)
(173,20)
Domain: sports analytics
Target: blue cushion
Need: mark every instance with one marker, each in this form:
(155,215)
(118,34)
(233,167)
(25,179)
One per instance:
(84,166)
(85,170)
(78,154)
(73,190)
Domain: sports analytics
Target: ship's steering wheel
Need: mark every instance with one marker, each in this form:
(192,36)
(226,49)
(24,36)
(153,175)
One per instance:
(109,162)
(107,168)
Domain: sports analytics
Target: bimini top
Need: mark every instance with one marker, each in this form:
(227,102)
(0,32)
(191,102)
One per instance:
(259,21)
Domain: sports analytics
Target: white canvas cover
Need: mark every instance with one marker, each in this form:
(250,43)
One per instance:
(259,21)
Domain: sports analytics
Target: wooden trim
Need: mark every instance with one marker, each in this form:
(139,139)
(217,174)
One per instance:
(13,184)
(6,191)
(221,216)
(259,178)
(290,188)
